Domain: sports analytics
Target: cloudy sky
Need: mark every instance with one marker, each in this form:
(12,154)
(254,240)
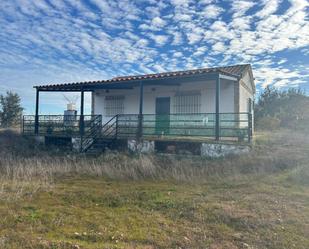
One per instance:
(56,41)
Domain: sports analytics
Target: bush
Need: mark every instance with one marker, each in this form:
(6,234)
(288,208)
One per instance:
(268,123)
(10,109)
(284,108)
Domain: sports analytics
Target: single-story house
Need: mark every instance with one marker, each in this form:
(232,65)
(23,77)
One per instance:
(202,105)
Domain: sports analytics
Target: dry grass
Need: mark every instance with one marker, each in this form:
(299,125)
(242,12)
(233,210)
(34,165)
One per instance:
(51,199)
(25,166)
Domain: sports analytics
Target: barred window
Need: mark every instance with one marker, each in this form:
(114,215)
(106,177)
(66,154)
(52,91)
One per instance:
(187,102)
(114,105)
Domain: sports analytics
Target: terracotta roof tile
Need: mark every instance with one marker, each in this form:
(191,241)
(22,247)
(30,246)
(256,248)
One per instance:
(235,70)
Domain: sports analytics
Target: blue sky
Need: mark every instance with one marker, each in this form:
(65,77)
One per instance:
(54,41)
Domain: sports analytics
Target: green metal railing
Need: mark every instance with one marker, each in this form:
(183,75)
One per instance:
(203,125)
(58,125)
(231,125)
(110,128)
(91,133)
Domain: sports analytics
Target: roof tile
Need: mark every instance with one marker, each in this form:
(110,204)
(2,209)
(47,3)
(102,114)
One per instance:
(235,70)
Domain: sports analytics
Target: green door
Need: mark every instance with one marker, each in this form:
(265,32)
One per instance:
(162,115)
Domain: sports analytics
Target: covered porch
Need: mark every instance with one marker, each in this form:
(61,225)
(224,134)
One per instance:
(217,126)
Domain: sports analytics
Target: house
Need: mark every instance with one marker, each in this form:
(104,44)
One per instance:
(204,106)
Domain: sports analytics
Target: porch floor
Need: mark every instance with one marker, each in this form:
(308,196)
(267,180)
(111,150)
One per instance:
(210,140)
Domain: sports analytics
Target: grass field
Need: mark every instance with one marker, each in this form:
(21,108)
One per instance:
(53,200)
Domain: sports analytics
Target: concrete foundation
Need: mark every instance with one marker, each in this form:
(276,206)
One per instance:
(144,146)
(40,139)
(76,144)
(221,150)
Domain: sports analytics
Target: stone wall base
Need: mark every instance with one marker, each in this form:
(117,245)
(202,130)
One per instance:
(144,146)
(211,150)
(40,139)
(221,150)
(76,144)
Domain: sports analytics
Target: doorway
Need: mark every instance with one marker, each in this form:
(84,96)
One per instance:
(163,115)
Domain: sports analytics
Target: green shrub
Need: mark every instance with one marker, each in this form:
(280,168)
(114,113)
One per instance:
(287,108)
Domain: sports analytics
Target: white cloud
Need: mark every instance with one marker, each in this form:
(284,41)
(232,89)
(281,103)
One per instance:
(240,7)
(178,54)
(159,68)
(269,7)
(205,1)
(297,5)
(218,47)
(177,38)
(146,69)
(142,42)
(160,40)
(200,51)
(212,11)
(180,2)
(279,76)
(153,11)
(194,37)
(182,17)
(241,23)
(158,22)
(103,6)
(219,31)
(144,26)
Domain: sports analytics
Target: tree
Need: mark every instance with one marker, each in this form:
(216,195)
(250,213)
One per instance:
(10,109)
(288,107)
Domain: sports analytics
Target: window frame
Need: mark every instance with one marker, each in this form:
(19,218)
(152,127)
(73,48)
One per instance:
(189,102)
(112,109)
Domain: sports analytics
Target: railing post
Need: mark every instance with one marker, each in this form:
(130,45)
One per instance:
(116,132)
(36,119)
(100,124)
(81,119)
(140,126)
(22,125)
(249,126)
(217,128)
(140,115)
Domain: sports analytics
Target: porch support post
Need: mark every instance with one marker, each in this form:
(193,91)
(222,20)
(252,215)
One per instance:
(249,119)
(140,114)
(217,127)
(81,125)
(36,120)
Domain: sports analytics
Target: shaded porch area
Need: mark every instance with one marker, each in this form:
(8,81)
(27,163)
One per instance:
(235,127)
(177,127)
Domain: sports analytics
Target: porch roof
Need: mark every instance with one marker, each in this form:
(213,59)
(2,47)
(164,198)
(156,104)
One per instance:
(234,72)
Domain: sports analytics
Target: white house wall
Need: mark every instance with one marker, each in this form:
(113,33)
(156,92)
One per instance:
(131,102)
(245,92)
(247,81)
(244,95)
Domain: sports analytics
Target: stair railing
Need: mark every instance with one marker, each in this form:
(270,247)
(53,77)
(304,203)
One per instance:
(92,132)
(110,128)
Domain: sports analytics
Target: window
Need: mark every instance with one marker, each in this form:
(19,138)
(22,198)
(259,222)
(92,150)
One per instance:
(187,102)
(114,105)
